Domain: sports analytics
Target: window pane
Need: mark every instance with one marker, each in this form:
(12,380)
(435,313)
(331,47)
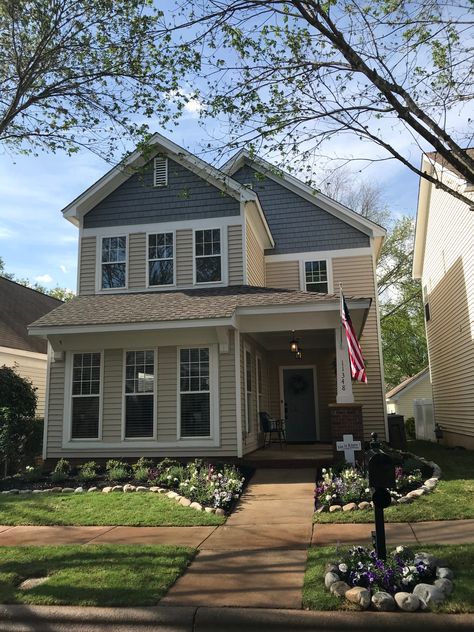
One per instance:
(195,415)
(85,417)
(161,272)
(113,275)
(208,269)
(139,372)
(138,416)
(317,287)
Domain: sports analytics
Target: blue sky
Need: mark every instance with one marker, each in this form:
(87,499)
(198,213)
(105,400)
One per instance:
(37,243)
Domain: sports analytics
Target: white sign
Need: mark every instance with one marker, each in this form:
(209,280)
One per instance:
(348,446)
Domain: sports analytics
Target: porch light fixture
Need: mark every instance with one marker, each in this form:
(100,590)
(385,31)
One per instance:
(299,354)
(294,344)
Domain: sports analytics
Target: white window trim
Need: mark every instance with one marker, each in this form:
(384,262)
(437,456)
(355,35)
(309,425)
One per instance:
(126,439)
(213,438)
(304,260)
(68,398)
(147,261)
(258,386)
(223,255)
(98,267)
(247,349)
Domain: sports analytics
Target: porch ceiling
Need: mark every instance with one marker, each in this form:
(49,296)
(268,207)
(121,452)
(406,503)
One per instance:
(308,338)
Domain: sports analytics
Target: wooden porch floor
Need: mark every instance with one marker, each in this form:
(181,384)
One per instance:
(291,455)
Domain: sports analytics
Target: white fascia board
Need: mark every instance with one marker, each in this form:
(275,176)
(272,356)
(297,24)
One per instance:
(300,188)
(148,326)
(421,224)
(298,309)
(121,172)
(23,353)
(315,255)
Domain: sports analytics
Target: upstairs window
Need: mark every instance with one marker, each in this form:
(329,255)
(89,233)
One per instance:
(85,395)
(160,171)
(208,256)
(139,394)
(160,259)
(316,276)
(114,262)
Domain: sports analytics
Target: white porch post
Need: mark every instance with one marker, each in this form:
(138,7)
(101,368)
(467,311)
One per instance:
(343,369)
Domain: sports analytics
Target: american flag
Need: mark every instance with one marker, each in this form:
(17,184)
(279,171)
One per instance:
(355,352)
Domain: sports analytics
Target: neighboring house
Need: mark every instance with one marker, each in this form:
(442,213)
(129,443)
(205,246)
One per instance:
(19,305)
(400,400)
(191,282)
(444,261)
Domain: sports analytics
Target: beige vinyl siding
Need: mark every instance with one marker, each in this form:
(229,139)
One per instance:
(167,422)
(448,274)
(357,277)
(112,389)
(87,263)
(283,274)
(255,259)
(55,410)
(137,261)
(402,404)
(30,367)
(236,266)
(184,257)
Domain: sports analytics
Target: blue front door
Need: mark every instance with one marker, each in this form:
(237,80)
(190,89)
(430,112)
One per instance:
(298,393)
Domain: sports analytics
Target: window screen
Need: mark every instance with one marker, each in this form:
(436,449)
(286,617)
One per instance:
(139,393)
(114,266)
(316,276)
(195,393)
(160,259)
(85,395)
(208,256)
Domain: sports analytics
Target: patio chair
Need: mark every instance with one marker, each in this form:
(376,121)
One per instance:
(270,426)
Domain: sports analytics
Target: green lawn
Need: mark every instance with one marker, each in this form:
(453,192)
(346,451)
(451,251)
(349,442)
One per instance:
(460,558)
(451,499)
(94,575)
(101,509)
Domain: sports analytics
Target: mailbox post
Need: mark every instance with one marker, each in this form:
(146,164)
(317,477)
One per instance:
(381,477)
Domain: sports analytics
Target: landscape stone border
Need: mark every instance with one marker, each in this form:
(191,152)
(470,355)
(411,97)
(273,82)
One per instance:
(422,597)
(426,487)
(182,500)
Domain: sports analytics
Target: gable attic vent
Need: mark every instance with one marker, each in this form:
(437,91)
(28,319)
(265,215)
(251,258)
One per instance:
(160,171)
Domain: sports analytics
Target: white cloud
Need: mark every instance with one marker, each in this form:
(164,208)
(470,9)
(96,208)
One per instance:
(6,233)
(44,278)
(63,268)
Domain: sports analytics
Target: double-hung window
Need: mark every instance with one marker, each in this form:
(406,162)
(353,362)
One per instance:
(85,395)
(139,394)
(114,262)
(207,247)
(316,276)
(259,385)
(160,259)
(195,392)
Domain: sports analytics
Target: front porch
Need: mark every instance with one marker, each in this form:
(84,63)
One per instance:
(291,455)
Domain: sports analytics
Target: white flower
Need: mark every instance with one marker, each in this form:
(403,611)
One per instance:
(324,470)
(399,549)
(367,490)
(328,496)
(343,568)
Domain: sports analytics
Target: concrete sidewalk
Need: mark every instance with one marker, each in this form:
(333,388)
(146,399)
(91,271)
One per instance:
(17,618)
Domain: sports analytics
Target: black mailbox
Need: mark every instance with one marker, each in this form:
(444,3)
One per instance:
(381,471)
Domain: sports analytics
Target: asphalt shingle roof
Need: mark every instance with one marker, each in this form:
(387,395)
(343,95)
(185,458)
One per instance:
(195,304)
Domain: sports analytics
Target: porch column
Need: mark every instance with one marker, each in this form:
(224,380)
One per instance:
(343,369)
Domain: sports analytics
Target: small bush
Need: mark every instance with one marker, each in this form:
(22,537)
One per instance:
(88,471)
(141,469)
(410,428)
(117,470)
(62,471)
(32,474)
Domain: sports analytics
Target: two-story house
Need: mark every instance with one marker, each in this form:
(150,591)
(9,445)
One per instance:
(192,282)
(444,262)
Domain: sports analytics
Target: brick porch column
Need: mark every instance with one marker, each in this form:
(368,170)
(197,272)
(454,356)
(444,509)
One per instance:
(346,419)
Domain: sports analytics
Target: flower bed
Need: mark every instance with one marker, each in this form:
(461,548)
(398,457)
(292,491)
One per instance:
(200,485)
(347,488)
(406,581)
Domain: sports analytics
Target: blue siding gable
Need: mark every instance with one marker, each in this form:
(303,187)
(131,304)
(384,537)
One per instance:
(137,201)
(296,224)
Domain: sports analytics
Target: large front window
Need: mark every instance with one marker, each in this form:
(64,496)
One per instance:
(160,259)
(316,276)
(114,262)
(85,395)
(139,393)
(195,392)
(208,256)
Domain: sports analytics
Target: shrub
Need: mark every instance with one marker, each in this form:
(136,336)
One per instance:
(410,428)
(61,472)
(32,474)
(117,470)
(88,471)
(141,469)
